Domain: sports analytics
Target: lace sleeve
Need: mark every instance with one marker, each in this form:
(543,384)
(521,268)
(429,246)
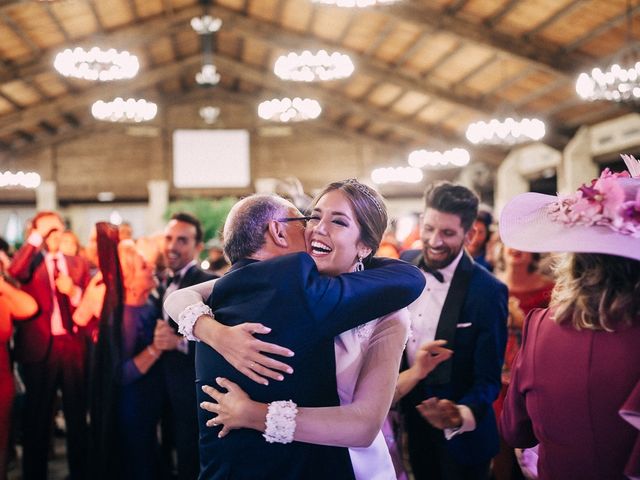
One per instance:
(357,424)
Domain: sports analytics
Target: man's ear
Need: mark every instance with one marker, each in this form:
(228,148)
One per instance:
(277,232)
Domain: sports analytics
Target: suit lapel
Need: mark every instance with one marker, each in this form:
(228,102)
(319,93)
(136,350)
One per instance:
(449,316)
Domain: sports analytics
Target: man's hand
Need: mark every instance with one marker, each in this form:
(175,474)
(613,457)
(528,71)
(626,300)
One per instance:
(429,356)
(440,413)
(65,285)
(164,338)
(246,353)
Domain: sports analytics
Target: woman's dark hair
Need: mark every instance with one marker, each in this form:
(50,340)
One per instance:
(597,292)
(104,388)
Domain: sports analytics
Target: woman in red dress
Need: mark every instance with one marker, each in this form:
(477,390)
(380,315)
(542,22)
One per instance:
(14,304)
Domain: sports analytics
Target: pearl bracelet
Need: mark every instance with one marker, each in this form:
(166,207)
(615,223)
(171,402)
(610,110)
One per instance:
(280,422)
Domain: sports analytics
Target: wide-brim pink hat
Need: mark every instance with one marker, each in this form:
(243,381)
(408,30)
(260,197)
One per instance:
(530,222)
(526,225)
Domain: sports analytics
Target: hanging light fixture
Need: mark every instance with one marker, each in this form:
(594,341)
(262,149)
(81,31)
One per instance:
(456,157)
(288,110)
(21,179)
(205,26)
(120,110)
(396,175)
(618,82)
(355,3)
(96,64)
(506,132)
(309,67)
(209,114)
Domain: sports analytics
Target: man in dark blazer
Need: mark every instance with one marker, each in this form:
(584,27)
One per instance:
(305,311)
(183,243)
(449,419)
(50,348)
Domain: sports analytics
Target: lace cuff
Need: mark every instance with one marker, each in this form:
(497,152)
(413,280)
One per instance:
(280,422)
(187,319)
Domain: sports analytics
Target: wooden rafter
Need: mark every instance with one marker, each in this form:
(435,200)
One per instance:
(503,12)
(54,18)
(7,20)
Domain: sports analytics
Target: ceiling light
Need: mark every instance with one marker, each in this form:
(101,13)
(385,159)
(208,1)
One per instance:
(288,110)
(355,3)
(209,114)
(208,75)
(205,24)
(120,110)
(456,157)
(20,179)
(396,175)
(308,67)
(506,132)
(96,64)
(616,84)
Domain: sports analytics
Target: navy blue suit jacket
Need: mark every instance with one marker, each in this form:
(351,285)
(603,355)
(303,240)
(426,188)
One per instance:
(472,376)
(305,312)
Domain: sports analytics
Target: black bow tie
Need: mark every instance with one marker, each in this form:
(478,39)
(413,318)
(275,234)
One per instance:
(437,274)
(175,279)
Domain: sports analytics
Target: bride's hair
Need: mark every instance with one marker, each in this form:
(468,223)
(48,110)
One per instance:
(368,207)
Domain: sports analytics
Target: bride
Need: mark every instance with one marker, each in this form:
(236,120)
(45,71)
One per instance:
(346,226)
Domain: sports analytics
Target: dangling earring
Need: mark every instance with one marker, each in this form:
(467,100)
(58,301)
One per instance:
(359,265)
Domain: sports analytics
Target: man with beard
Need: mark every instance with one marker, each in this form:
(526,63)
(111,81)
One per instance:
(449,419)
(182,246)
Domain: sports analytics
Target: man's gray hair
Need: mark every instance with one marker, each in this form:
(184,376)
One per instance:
(247,222)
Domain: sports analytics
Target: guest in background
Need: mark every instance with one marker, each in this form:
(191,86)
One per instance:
(14,305)
(126,381)
(125,230)
(477,247)
(452,433)
(388,246)
(218,264)
(528,289)
(69,244)
(575,386)
(49,346)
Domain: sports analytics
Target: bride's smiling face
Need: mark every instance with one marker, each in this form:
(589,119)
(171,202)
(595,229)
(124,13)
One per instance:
(333,235)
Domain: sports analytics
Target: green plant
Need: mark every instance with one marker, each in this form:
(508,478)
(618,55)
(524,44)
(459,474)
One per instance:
(211,213)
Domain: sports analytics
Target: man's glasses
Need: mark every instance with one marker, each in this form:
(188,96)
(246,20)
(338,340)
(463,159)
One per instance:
(304,220)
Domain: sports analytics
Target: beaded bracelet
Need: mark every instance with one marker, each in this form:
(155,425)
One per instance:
(280,422)
(187,319)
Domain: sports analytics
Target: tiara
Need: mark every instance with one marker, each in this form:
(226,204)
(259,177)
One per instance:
(603,203)
(366,191)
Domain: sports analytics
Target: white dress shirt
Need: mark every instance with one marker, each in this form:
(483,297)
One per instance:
(425,314)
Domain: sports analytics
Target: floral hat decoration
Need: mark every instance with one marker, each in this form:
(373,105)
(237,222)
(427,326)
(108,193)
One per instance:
(600,217)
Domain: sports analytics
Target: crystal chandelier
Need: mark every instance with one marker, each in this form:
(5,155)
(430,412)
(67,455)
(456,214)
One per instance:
(456,157)
(120,110)
(307,67)
(616,84)
(96,64)
(20,179)
(206,26)
(288,110)
(396,175)
(506,132)
(355,3)
(209,114)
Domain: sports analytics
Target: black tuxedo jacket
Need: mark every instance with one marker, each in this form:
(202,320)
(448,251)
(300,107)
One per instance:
(474,323)
(305,312)
(33,336)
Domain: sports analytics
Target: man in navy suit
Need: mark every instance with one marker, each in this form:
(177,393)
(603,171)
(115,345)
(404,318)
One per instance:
(182,245)
(49,346)
(305,311)
(449,418)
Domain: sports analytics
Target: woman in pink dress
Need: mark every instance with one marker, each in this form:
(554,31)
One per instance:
(575,386)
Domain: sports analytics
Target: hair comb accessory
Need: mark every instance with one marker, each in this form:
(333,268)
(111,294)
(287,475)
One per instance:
(367,193)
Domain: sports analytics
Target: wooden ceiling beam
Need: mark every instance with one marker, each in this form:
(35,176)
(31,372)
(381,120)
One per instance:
(84,98)
(565,10)
(13,26)
(503,12)
(547,58)
(54,18)
(126,38)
